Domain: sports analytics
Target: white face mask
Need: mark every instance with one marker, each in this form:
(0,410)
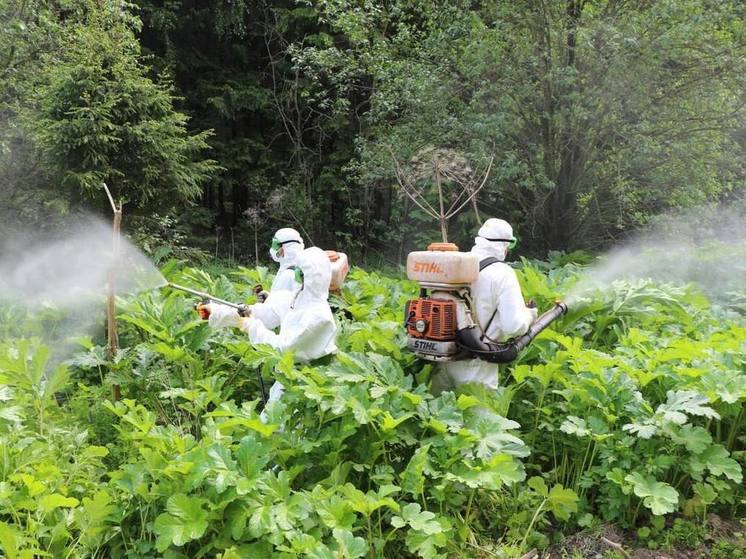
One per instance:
(273,255)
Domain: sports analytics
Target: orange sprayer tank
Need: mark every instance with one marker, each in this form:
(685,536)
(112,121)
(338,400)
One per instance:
(442,263)
(340,267)
(434,318)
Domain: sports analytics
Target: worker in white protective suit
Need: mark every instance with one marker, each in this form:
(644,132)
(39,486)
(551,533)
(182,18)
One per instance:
(307,328)
(498,307)
(287,245)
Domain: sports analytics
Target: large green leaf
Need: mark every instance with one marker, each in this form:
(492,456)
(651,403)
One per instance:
(562,502)
(717,460)
(695,439)
(185,521)
(413,476)
(9,541)
(417,519)
(50,502)
(658,496)
(349,546)
(682,402)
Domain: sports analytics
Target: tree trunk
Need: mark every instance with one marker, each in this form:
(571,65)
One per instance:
(562,213)
(221,202)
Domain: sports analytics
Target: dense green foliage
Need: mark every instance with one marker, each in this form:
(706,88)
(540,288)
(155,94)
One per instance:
(599,115)
(598,112)
(99,118)
(630,409)
(78,107)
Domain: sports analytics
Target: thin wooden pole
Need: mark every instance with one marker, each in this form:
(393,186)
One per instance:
(112,336)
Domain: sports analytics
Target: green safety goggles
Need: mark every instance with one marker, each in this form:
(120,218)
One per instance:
(512,242)
(276,243)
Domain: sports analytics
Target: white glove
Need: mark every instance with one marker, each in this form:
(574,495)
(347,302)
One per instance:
(223,316)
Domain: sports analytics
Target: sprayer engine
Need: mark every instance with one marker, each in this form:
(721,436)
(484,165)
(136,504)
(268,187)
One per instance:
(431,327)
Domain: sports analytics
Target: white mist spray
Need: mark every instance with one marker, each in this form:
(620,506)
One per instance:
(702,246)
(71,268)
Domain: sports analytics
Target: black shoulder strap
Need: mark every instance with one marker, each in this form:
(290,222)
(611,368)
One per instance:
(489,261)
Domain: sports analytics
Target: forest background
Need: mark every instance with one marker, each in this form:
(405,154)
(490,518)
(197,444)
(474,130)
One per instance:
(217,122)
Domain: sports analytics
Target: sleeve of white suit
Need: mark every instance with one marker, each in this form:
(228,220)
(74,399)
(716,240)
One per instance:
(223,316)
(270,312)
(515,317)
(285,279)
(266,314)
(293,335)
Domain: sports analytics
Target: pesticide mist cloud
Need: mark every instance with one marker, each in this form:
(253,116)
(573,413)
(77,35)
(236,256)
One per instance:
(703,246)
(71,268)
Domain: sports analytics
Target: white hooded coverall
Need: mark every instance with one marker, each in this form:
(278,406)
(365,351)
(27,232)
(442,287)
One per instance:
(307,328)
(292,247)
(284,285)
(497,291)
(281,293)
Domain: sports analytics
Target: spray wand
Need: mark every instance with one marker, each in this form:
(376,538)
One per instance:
(243,310)
(473,340)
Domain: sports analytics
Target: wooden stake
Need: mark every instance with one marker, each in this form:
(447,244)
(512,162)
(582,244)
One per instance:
(111,312)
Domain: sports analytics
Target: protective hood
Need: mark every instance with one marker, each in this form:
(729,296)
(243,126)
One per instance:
(485,244)
(290,254)
(484,249)
(291,244)
(317,274)
(288,234)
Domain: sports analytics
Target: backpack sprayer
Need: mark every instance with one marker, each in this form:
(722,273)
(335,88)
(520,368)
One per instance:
(441,323)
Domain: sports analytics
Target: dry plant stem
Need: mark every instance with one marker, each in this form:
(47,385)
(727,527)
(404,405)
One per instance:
(401,179)
(442,218)
(433,214)
(530,555)
(476,209)
(616,546)
(111,318)
(442,215)
(473,194)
